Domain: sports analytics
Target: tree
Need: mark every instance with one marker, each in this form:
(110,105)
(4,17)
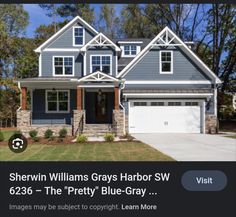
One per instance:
(109,22)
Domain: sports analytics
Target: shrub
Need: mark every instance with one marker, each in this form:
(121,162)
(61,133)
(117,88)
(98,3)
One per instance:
(33,134)
(81,139)
(48,134)
(62,133)
(109,137)
(1,136)
(129,137)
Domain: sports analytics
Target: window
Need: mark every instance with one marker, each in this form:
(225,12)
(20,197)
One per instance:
(157,103)
(78,36)
(130,50)
(63,66)
(166,62)
(174,103)
(101,63)
(57,101)
(191,103)
(140,103)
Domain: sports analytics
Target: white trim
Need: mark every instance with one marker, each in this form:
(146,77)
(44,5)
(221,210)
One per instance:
(73,36)
(40,65)
(63,69)
(203,117)
(215,101)
(85,63)
(46,102)
(168,82)
(130,42)
(68,25)
(171,63)
(129,55)
(168,94)
(100,40)
(116,64)
(153,42)
(61,49)
(100,55)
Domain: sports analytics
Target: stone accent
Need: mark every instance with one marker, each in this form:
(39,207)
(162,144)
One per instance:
(78,121)
(118,122)
(97,129)
(211,124)
(24,125)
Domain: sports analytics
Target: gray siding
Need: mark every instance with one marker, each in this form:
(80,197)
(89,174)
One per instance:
(100,51)
(40,116)
(66,39)
(47,62)
(148,68)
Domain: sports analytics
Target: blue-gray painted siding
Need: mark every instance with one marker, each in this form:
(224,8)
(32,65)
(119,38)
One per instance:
(39,115)
(47,62)
(66,39)
(101,51)
(148,68)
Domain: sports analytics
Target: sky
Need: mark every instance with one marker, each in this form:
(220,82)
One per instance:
(37,16)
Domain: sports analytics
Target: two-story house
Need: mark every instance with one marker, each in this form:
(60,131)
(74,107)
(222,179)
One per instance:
(88,83)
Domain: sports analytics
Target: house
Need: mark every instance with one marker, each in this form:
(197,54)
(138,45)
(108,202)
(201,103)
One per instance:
(88,83)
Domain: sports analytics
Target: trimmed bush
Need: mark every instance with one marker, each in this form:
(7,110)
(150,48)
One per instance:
(81,139)
(33,134)
(62,133)
(109,137)
(1,136)
(48,134)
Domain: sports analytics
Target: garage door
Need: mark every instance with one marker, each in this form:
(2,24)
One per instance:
(164,117)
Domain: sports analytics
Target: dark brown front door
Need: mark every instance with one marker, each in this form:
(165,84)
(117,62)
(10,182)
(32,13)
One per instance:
(101,107)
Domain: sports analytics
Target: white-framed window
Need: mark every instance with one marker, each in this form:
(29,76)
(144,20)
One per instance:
(130,50)
(100,63)
(191,103)
(166,62)
(174,103)
(157,104)
(57,101)
(140,103)
(78,36)
(63,65)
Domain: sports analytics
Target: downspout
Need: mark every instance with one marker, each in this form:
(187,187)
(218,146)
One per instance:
(20,96)
(123,86)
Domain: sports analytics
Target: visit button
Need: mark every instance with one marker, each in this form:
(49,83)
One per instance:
(204,180)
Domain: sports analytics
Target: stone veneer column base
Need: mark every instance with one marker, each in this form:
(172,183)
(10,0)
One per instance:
(118,122)
(211,124)
(78,121)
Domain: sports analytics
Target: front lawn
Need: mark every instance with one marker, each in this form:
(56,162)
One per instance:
(117,151)
(7,134)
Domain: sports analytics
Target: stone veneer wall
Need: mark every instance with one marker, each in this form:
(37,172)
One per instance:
(77,124)
(24,125)
(118,116)
(211,124)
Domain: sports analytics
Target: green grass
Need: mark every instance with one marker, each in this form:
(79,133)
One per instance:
(7,134)
(122,151)
(233,137)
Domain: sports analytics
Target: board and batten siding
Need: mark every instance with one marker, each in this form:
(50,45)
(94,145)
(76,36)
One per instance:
(148,68)
(39,115)
(65,40)
(47,62)
(101,51)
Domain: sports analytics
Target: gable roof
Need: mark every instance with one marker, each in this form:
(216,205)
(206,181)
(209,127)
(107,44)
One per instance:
(100,40)
(98,76)
(62,30)
(163,39)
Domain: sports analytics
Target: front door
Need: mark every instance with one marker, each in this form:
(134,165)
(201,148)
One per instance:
(99,107)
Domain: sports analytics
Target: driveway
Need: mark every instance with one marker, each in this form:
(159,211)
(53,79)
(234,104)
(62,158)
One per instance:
(192,147)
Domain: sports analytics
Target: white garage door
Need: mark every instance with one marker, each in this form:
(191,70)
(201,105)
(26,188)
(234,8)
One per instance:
(164,117)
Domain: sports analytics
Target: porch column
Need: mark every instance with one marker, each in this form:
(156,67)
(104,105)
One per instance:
(79,98)
(23,98)
(116,103)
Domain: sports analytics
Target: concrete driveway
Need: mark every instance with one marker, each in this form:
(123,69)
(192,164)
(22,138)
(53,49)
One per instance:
(192,147)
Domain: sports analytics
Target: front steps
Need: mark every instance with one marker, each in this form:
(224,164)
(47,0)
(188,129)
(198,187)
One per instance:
(96,129)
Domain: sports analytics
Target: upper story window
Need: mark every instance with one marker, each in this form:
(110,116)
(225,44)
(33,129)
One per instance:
(101,63)
(166,62)
(130,50)
(57,101)
(78,36)
(63,66)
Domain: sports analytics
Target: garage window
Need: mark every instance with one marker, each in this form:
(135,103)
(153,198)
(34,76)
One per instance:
(157,103)
(191,103)
(140,103)
(174,103)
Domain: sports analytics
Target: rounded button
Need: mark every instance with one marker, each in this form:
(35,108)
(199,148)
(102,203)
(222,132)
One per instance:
(204,180)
